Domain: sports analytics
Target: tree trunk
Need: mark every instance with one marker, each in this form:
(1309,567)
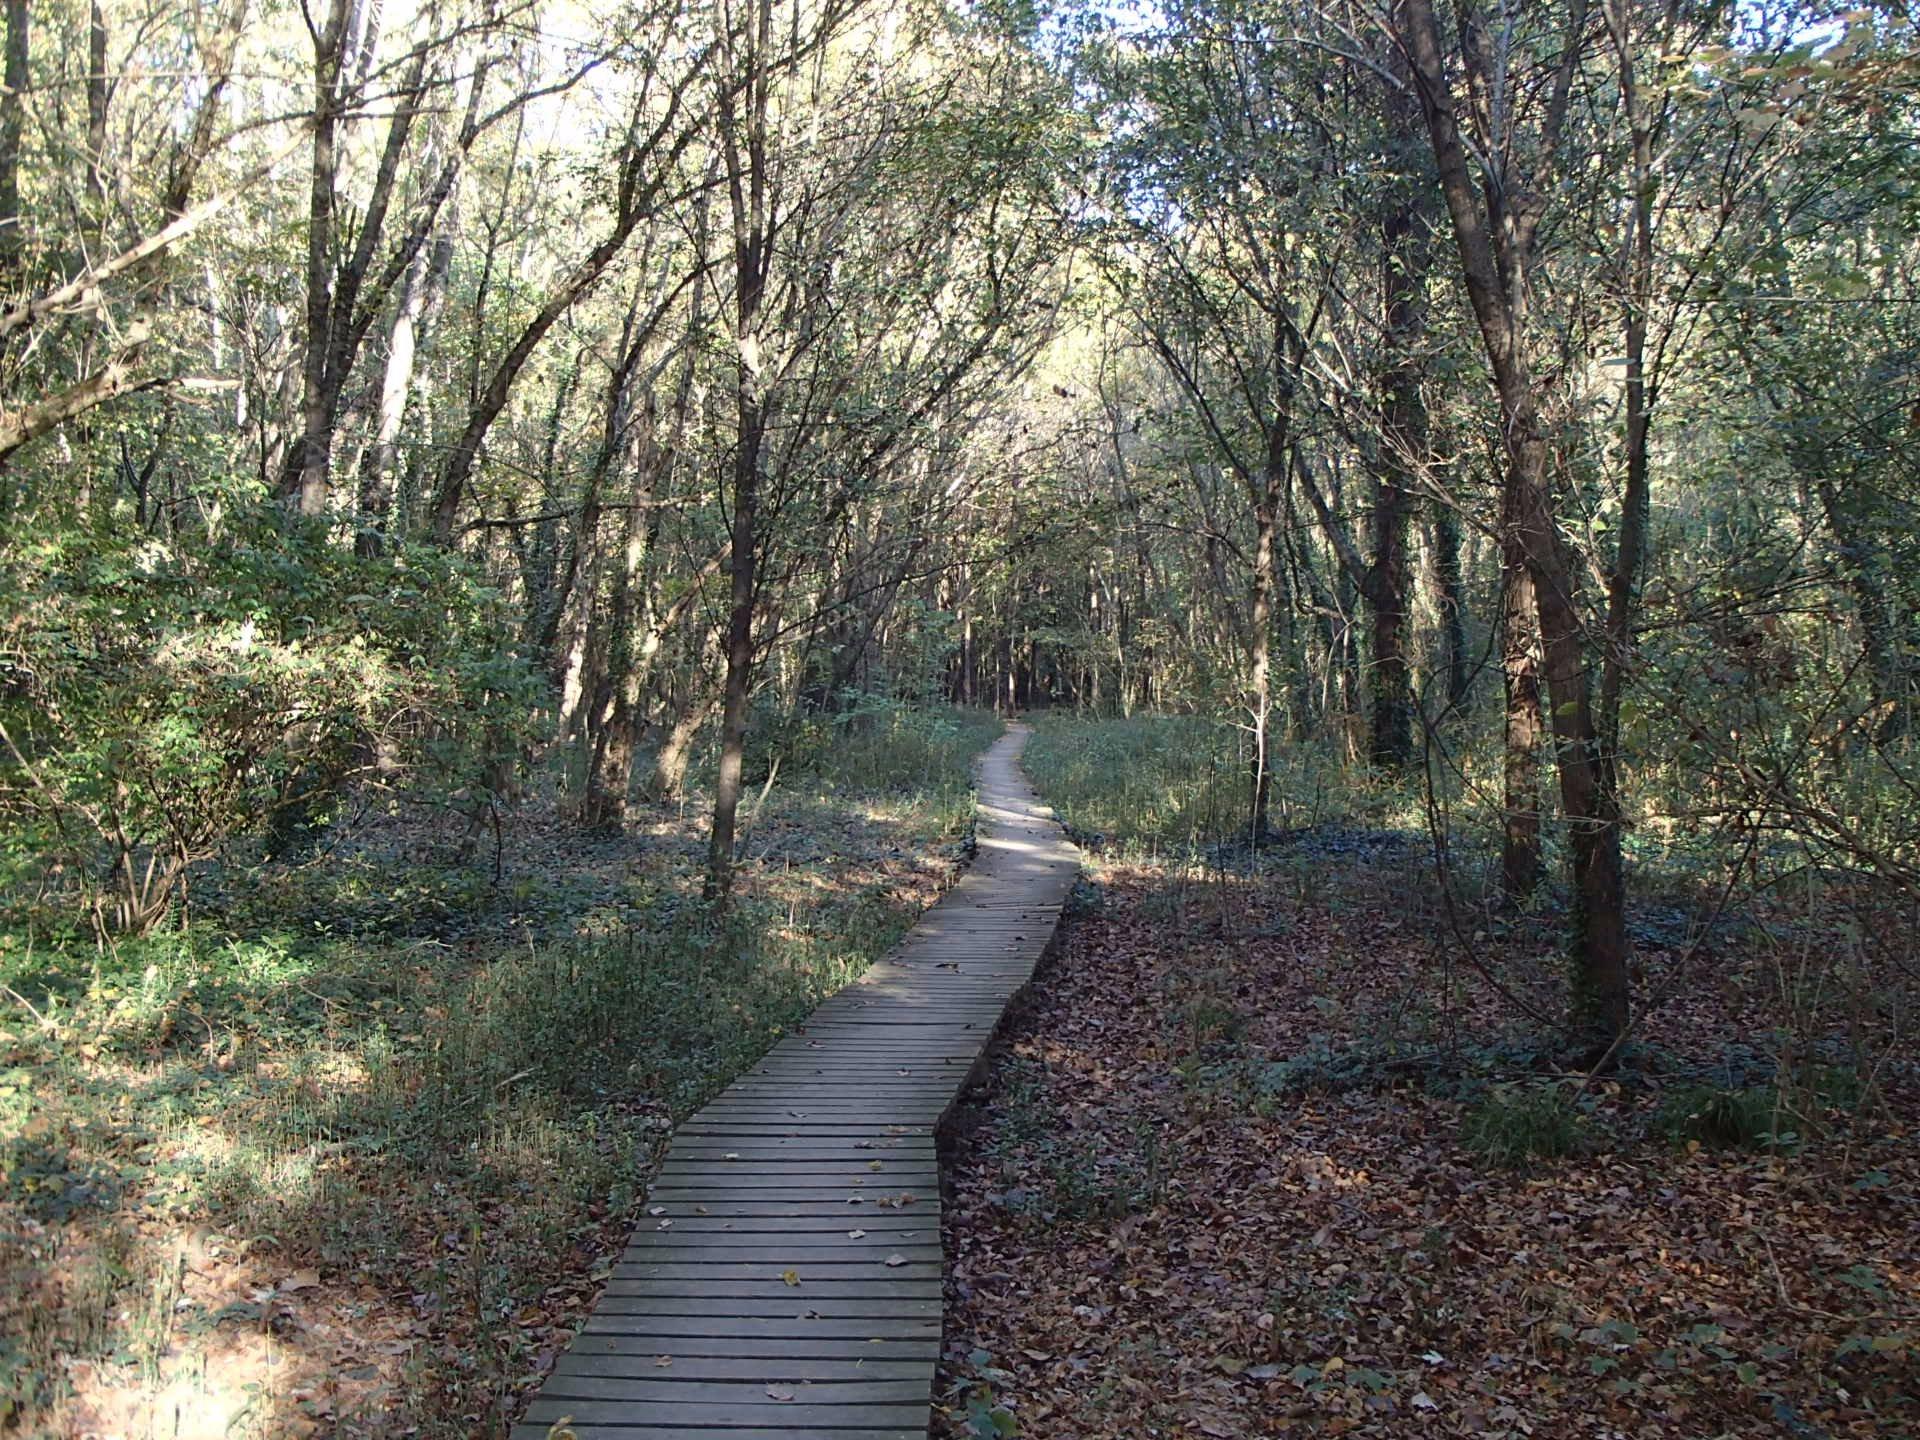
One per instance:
(1521,860)
(308,459)
(376,468)
(629,634)
(646,165)
(1864,565)
(1403,444)
(750,186)
(13,115)
(99,89)
(1600,979)
(337,322)
(670,763)
(1494,250)
(1449,600)
(742,553)
(1266,514)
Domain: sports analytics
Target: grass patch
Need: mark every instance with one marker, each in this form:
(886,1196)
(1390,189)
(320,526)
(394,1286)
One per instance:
(1150,784)
(1722,1119)
(1514,1125)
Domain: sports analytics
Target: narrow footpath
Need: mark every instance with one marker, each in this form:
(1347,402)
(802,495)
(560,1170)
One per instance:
(784,1283)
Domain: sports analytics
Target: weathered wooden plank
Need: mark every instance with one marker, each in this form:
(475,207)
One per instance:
(757,1329)
(896,1147)
(922,1305)
(667,1412)
(855,1231)
(785,1281)
(657,1249)
(764,1172)
(802,1185)
(885,1228)
(736,1395)
(763,1348)
(807,1270)
(704,1125)
(718,1367)
(650,1431)
(853,1206)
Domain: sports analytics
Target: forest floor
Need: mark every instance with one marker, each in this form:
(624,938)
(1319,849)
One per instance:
(1238,1171)
(350,1153)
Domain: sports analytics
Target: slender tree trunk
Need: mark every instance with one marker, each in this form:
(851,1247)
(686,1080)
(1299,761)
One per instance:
(1266,517)
(309,458)
(451,488)
(190,154)
(1449,600)
(628,635)
(676,750)
(1864,565)
(743,553)
(13,114)
(577,593)
(1601,984)
(337,321)
(99,89)
(750,182)
(653,148)
(1494,252)
(1403,454)
(376,468)
(1521,858)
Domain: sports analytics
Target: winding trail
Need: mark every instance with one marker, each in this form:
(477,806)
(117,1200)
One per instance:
(784,1283)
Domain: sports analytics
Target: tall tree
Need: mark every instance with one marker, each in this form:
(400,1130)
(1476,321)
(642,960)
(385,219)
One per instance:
(1496,224)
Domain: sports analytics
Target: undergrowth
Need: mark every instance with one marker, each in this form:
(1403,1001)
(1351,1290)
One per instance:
(1166,792)
(386,1099)
(1172,784)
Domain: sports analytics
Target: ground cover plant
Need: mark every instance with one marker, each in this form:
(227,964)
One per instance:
(348,1151)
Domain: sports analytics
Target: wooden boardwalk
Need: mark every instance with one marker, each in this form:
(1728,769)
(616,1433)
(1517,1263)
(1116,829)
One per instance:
(784,1282)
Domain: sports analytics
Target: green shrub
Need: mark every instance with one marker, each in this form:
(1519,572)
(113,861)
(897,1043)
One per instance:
(1204,1021)
(163,699)
(871,745)
(1719,1117)
(1087,1179)
(1518,1123)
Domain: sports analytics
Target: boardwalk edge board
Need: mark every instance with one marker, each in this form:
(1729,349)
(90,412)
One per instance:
(786,1278)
